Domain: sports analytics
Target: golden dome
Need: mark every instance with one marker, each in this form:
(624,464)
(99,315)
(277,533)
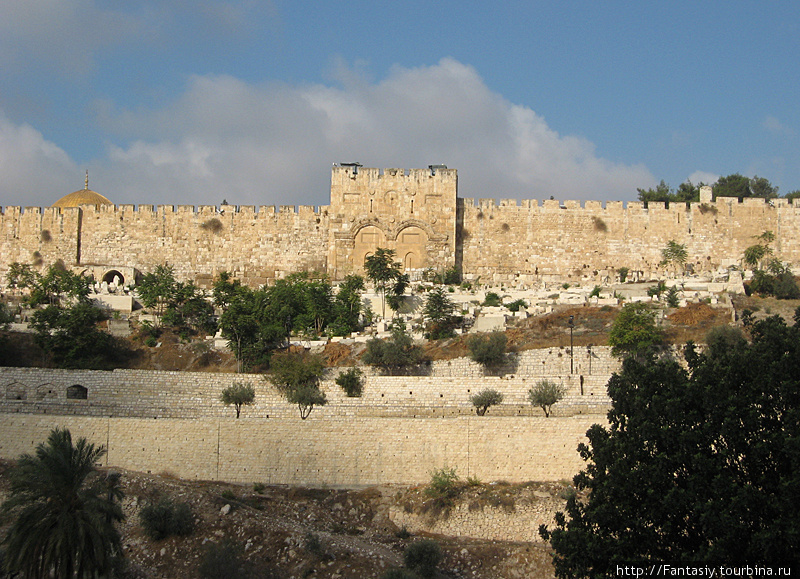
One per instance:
(83,196)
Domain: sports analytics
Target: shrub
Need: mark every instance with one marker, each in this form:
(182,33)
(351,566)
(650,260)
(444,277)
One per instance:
(488,349)
(444,484)
(492,299)
(673,300)
(623,273)
(166,518)
(423,557)
(545,394)
(484,399)
(517,305)
(397,352)
(595,292)
(352,382)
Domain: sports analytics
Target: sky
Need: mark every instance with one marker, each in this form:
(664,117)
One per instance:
(195,102)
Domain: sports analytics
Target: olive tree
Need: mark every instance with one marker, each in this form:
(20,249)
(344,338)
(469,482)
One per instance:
(545,394)
(484,399)
(238,394)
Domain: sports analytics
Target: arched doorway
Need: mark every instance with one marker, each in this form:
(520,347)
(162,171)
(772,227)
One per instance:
(411,247)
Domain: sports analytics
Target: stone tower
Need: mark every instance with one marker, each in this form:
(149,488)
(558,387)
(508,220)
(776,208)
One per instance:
(413,213)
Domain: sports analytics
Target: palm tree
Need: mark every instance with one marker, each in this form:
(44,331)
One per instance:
(64,512)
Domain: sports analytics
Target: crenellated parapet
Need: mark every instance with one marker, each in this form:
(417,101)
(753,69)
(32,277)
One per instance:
(415,212)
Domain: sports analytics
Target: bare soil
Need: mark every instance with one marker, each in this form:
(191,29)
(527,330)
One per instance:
(300,532)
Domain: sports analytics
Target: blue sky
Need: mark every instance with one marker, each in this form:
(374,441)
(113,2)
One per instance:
(179,102)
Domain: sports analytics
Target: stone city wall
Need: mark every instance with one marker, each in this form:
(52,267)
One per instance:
(416,213)
(335,451)
(523,242)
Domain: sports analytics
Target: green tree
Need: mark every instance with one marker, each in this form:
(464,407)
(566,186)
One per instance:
(439,310)
(634,331)
(352,382)
(545,394)
(397,352)
(71,336)
(297,377)
(64,512)
(696,465)
(347,306)
(674,254)
(793,195)
(484,399)
(488,349)
(686,192)
(156,289)
(739,186)
(187,309)
(56,286)
(238,394)
(383,271)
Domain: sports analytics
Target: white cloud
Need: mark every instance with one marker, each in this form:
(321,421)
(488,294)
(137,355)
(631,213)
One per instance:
(703,177)
(273,143)
(32,167)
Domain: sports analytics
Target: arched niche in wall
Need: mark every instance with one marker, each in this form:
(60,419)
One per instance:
(367,240)
(111,274)
(411,247)
(46,391)
(16,391)
(77,392)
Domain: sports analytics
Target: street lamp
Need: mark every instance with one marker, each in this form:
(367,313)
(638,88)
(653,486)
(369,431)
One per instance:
(571,327)
(589,352)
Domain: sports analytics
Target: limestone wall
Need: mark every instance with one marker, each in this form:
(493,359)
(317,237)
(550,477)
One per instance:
(342,451)
(446,391)
(417,213)
(508,241)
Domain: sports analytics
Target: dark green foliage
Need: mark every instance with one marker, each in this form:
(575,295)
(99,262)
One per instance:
(444,484)
(256,322)
(518,305)
(238,394)
(297,377)
(63,511)
(657,290)
(739,186)
(686,192)
(397,352)
(450,276)
(166,518)
(674,254)
(488,349)
(545,394)
(695,466)
(492,300)
(673,299)
(623,274)
(54,287)
(634,331)
(423,557)
(352,382)
(347,306)
(439,310)
(71,336)
(484,399)
(778,281)
(223,561)
(386,274)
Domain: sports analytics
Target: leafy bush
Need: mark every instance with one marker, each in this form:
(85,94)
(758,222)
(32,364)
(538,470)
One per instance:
(623,273)
(484,399)
(444,484)
(634,331)
(488,349)
(397,352)
(238,395)
(423,557)
(595,292)
(352,382)
(673,299)
(517,305)
(166,518)
(545,394)
(492,300)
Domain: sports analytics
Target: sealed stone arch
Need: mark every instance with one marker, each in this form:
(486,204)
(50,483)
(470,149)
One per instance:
(411,247)
(367,240)
(46,391)
(16,391)
(77,392)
